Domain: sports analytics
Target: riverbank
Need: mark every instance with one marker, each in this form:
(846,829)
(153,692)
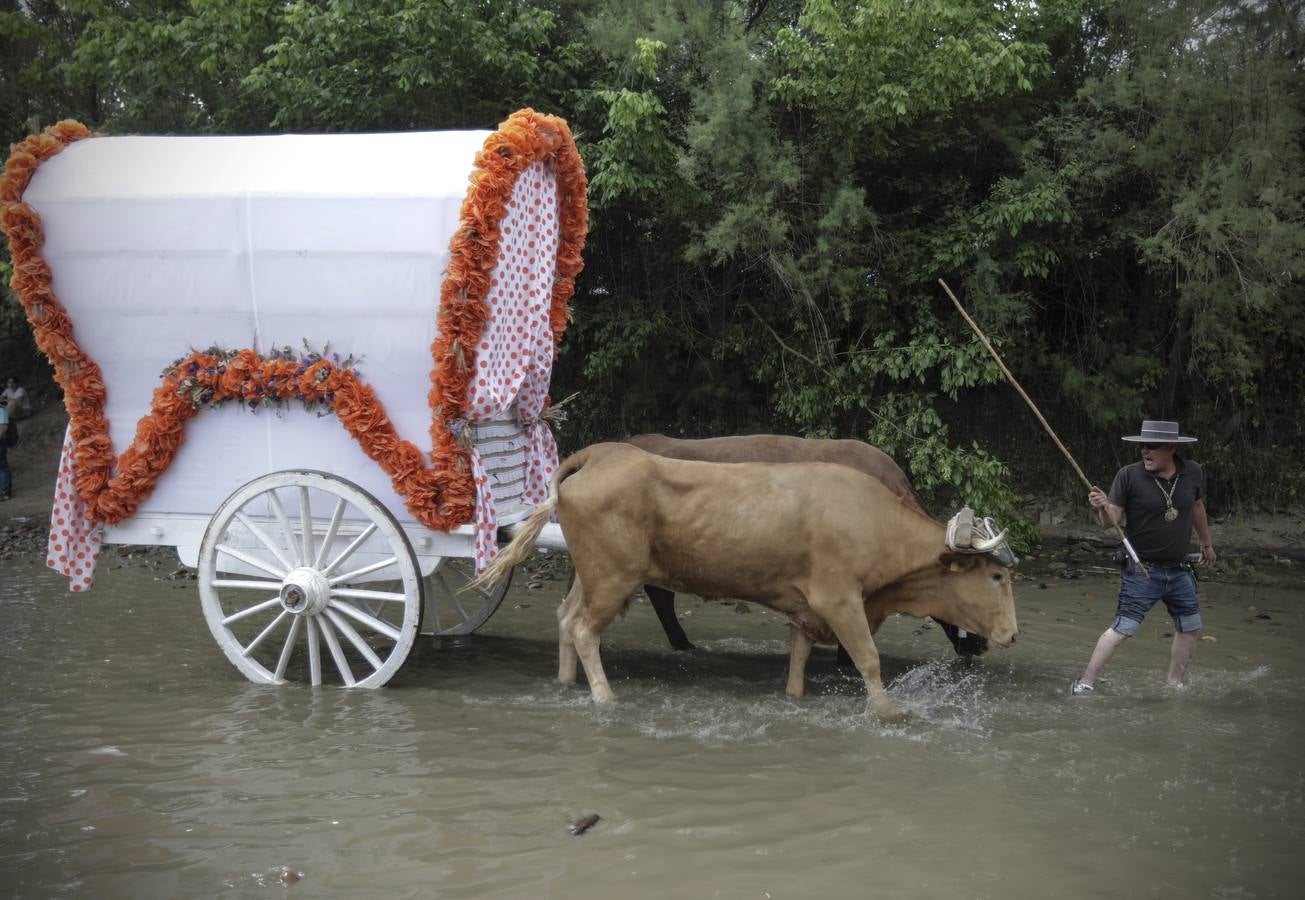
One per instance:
(1259,548)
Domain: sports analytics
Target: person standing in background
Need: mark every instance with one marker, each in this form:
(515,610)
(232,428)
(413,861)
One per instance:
(15,400)
(6,477)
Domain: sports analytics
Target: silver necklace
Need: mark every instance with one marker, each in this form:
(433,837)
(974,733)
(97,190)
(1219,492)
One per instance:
(1170,512)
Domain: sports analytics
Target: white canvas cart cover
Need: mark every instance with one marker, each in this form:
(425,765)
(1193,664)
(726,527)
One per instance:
(231,264)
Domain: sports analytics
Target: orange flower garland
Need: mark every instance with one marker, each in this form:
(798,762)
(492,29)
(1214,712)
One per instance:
(441,497)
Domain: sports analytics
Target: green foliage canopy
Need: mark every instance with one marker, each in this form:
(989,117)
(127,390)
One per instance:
(1114,187)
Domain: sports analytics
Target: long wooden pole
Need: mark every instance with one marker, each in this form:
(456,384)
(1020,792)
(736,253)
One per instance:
(1033,406)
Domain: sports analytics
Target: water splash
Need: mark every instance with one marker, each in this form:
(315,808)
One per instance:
(945,697)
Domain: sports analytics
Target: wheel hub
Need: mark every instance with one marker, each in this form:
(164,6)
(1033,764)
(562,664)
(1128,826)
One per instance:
(305,592)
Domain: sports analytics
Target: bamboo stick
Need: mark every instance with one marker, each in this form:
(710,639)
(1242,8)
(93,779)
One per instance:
(1033,406)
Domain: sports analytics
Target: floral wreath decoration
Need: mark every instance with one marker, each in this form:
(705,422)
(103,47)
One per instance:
(440,496)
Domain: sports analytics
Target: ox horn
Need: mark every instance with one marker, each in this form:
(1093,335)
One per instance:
(983,546)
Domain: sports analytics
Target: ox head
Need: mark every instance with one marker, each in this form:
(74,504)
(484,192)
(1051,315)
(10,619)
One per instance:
(976,578)
(968,533)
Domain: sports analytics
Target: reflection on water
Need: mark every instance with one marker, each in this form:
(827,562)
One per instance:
(135,762)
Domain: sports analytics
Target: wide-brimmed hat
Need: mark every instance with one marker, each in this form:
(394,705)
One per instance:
(1157,432)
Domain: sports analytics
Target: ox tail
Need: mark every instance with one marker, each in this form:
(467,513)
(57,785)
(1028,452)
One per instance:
(519,549)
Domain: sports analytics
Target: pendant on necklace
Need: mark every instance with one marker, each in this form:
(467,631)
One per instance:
(1171,514)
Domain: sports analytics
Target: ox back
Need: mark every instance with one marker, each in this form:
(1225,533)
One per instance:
(751,531)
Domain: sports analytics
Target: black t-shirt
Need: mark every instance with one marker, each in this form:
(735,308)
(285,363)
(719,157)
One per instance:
(1142,496)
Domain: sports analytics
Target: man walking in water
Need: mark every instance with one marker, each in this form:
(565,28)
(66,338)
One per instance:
(1159,499)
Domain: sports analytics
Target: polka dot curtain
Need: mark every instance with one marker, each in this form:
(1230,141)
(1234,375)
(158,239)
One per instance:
(514,361)
(74,545)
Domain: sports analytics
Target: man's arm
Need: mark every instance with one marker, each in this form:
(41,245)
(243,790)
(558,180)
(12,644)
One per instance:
(1203,532)
(1108,514)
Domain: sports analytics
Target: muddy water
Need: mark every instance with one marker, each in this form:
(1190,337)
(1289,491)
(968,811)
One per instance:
(136,762)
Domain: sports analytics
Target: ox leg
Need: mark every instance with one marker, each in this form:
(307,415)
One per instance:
(799,649)
(874,620)
(663,603)
(593,611)
(566,654)
(848,620)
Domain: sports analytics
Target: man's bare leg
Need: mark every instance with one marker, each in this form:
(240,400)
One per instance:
(1106,646)
(1180,654)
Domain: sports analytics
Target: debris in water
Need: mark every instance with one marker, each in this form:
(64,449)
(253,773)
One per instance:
(584,824)
(1209,637)
(743,608)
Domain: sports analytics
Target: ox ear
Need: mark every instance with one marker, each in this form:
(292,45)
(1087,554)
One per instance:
(956,562)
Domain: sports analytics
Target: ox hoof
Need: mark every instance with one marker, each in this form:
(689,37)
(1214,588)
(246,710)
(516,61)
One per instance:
(794,695)
(887,712)
(603,695)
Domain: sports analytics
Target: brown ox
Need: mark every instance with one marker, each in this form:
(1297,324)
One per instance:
(776,448)
(811,540)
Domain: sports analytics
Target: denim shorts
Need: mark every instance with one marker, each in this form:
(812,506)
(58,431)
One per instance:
(1175,585)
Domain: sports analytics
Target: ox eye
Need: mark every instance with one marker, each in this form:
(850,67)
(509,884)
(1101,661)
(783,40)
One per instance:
(996,576)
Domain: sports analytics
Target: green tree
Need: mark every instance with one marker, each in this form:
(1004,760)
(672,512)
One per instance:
(1113,186)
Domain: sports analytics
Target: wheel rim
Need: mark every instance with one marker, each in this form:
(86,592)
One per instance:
(450,610)
(288,573)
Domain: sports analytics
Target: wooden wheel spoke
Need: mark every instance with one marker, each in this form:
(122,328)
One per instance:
(375,624)
(284,519)
(251,561)
(333,643)
(239,584)
(354,638)
(365,570)
(456,611)
(314,655)
(360,594)
(329,537)
(287,650)
(349,551)
(452,596)
(263,539)
(253,610)
(252,645)
(306,525)
(457,604)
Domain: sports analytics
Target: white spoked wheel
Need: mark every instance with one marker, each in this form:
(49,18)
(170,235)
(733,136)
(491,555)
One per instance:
(449,610)
(278,583)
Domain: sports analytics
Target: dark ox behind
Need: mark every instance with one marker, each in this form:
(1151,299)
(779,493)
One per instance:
(814,541)
(779,448)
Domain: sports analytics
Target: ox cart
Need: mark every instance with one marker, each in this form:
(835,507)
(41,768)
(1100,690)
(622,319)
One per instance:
(317,366)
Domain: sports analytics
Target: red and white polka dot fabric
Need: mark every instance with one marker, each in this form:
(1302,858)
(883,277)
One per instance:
(514,361)
(74,545)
